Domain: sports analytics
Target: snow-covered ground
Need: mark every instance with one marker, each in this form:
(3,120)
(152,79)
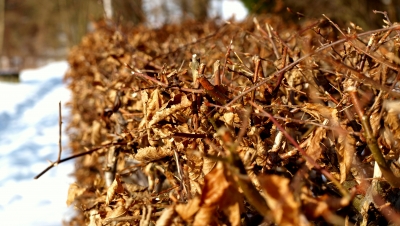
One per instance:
(28,138)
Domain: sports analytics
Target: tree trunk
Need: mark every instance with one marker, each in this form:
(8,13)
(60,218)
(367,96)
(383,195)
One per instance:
(2,22)
(108,10)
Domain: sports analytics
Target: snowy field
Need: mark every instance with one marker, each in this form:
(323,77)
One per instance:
(28,138)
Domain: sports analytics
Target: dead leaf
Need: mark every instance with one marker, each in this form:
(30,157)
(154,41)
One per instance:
(205,216)
(118,211)
(73,192)
(313,145)
(115,188)
(162,114)
(96,133)
(321,112)
(95,219)
(280,199)
(209,163)
(187,211)
(149,154)
(392,129)
(166,217)
(345,149)
(219,191)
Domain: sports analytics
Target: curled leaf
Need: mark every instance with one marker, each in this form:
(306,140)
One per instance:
(345,150)
(115,188)
(280,200)
(149,154)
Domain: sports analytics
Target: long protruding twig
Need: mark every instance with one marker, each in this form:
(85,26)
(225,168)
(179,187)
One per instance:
(59,133)
(76,156)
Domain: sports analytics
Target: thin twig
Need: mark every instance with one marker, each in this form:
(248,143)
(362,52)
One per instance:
(59,133)
(143,76)
(257,62)
(76,156)
(267,35)
(303,58)
(226,60)
(280,77)
(217,73)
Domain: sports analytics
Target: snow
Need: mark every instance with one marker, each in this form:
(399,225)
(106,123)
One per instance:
(224,8)
(229,8)
(28,138)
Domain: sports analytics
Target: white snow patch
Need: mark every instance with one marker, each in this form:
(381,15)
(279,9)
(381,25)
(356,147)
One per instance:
(28,138)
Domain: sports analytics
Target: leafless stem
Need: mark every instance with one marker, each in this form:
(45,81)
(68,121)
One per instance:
(143,76)
(280,77)
(59,133)
(226,60)
(88,152)
(257,62)
(217,73)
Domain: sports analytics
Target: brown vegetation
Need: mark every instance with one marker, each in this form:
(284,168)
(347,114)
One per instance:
(236,123)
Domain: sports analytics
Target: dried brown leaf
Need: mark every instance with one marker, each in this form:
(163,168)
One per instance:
(162,114)
(218,191)
(375,120)
(392,122)
(94,218)
(73,192)
(149,154)
(314,208)
(345,149)
(195,163)
(313,144)
(215,184)
(96,133)
(280,199)
(230,118)
(295,78)
(318,110)
(116,212)
(187,211)
(115,188)
(209,163)
(205,216)
(154,103)
(166,217)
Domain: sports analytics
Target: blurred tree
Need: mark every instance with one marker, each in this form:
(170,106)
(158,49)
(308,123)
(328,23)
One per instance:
(129,11)
(200,9)
(107,5)
(40,30)
(2,8)
(194,9)
(48,28)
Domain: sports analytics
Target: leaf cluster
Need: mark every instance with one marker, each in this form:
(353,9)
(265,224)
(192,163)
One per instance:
(234,123)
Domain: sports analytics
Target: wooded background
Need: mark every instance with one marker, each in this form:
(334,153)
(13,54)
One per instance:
(30,30)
